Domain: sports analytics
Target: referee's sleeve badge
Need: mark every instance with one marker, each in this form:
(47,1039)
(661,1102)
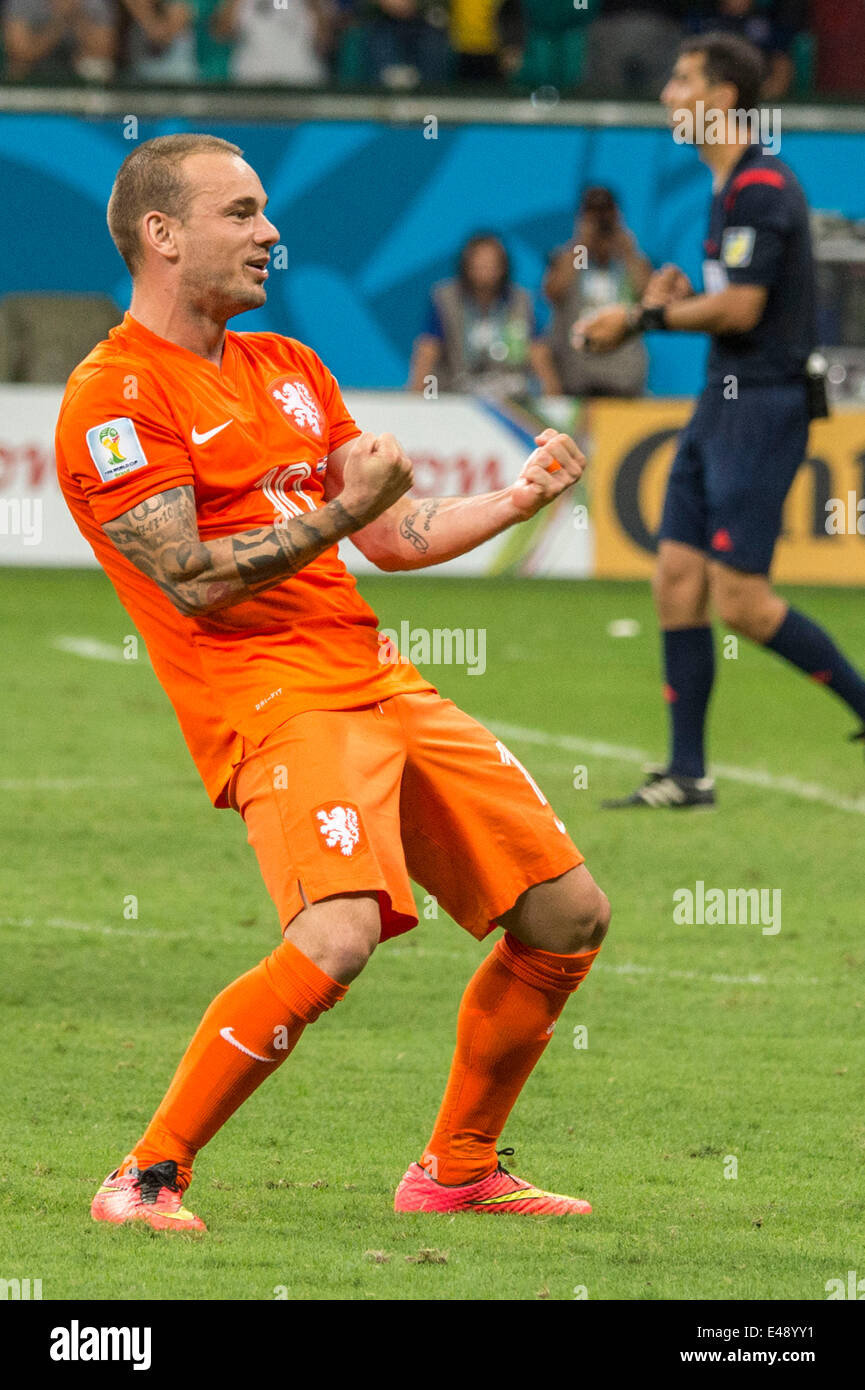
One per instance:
(737,246)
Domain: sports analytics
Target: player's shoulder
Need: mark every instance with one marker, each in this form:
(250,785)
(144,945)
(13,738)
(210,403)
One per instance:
(113,380)
(279,350)
(116,356)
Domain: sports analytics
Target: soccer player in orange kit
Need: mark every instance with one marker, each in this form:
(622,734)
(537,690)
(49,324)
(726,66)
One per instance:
(213,474)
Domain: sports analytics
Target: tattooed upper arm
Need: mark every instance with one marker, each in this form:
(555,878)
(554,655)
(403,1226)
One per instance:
(160,537)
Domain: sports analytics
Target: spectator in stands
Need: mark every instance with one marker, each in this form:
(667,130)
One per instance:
(839,33)
(481,336)
(158,40)
(632,45)
(56,39)
(408,42)
(770,28)
(276,41)
(512,36)
(604,265)
(474,33)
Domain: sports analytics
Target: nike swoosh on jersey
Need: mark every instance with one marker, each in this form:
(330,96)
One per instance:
(228,1034)
(208,434)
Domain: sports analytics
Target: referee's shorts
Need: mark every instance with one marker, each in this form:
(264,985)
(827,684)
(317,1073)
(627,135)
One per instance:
(734,466)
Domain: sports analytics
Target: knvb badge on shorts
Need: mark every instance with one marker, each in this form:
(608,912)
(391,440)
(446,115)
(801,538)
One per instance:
(115,449)
(339,827)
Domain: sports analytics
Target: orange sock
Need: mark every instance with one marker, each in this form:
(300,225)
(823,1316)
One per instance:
(248,1030)
(505,1021)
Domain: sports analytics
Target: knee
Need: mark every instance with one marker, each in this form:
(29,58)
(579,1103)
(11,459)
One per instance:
(588,923)
(338,934)
(663,584)
(732,607)
(598,926)
(348,955)
(678,585)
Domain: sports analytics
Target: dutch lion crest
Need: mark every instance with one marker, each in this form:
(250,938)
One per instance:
(297,402)
(339,826)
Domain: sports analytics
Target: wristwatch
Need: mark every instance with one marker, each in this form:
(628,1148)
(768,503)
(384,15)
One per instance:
(649,320)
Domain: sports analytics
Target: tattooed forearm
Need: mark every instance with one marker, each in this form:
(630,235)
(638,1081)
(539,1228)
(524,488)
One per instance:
(417,534)
(408,533)
(283,550)
(411,528)
(160,536)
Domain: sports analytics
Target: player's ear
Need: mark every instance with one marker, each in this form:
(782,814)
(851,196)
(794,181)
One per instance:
(727,95)
(158,233)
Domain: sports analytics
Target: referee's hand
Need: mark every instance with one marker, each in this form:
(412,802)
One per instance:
(603,330)
(666,286)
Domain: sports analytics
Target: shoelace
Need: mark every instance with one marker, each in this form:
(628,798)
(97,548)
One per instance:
(504,1153)
(151,1182)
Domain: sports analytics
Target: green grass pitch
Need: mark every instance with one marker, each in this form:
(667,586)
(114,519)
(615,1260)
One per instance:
(705,1044)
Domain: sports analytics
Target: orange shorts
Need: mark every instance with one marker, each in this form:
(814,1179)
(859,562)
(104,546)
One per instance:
(351,801)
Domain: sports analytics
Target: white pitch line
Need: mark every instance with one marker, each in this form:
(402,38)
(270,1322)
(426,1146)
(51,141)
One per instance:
(89,647)
(752,777)
(628,968)
(715,978)
(54,784)
(63,924)
(227,935)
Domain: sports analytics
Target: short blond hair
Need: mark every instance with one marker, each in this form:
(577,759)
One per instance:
(151,178)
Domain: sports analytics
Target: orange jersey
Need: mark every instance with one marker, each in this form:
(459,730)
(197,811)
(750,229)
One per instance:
(141,415)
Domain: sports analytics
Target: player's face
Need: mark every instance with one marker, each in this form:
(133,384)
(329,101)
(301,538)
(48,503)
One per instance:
(687,86)
(225,239)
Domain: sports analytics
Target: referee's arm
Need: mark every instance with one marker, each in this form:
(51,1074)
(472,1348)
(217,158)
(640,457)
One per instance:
(736,309)
(751,258)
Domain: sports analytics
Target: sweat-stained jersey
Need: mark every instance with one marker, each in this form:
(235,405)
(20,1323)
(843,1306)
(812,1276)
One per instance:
(140,416)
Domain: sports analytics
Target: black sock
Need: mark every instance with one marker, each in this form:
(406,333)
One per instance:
(807,646)
(689,666)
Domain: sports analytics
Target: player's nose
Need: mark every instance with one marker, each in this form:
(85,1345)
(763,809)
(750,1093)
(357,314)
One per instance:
(266,234)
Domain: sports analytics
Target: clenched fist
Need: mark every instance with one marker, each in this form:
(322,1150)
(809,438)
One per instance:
(550,470)
(377,473)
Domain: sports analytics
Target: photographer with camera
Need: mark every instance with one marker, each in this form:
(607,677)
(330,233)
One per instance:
(602,266)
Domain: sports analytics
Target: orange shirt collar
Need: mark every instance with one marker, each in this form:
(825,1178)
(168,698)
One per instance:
(132,327)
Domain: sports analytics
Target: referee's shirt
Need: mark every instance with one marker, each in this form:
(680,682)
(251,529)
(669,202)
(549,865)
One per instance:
(759,235)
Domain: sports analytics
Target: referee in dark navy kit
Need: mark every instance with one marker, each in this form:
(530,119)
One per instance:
(748,435)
